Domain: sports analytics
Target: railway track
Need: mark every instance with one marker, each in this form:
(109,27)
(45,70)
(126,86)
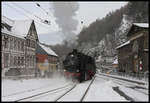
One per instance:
(29,90)
(66,92)
(126,84)
(87,90)
(42,93)
(62,91)
(58,90)
(71,90)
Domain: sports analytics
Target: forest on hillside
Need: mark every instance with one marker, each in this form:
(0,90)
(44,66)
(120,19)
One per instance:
(107,29)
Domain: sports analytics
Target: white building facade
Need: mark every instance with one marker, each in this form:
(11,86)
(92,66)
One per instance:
(19,41)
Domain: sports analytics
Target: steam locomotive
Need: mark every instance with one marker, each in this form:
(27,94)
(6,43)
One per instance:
(79,66)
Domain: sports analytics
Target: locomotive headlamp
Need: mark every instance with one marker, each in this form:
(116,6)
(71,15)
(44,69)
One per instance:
(77,70)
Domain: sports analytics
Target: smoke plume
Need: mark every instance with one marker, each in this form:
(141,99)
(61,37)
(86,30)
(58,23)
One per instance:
(65,13)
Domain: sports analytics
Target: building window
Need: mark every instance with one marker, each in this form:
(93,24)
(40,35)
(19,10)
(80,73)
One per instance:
(28,60)
(15,60)
(28,42)
(19,61)
(6,41)
(15,44)
(22,61)
(31,61)
(31,43)
(18,45)
(11,43)
(11,60)
(22,46)
(6,58)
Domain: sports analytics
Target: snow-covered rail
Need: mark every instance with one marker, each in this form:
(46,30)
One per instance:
(28,98)
(133,81)
(29,90)
(66,92)
(87,89)
(77,93)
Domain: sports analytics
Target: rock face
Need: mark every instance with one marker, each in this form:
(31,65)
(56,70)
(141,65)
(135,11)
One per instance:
(120,33)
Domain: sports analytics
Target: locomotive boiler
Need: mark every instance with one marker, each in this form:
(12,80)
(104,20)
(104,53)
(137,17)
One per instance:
(79,66)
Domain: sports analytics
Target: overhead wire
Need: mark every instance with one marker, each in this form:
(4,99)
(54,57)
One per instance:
(44,12)
(25,15)
(41,8)
(42,20)
(26,10)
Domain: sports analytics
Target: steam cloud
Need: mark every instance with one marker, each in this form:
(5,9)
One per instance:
(65,13)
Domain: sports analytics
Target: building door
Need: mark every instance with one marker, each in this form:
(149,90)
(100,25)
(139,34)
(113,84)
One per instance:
(135,50)
(136,65)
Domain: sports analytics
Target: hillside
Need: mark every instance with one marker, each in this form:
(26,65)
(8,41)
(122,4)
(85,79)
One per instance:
(103,35)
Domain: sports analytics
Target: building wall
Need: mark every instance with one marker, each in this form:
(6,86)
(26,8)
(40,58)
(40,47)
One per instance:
(46,64)
(13,53)
(18,53)
(129,56)
(30,52)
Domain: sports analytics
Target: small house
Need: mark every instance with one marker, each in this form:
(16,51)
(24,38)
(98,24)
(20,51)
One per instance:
(46,59)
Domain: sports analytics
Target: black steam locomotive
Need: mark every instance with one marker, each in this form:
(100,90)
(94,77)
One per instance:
(80,66)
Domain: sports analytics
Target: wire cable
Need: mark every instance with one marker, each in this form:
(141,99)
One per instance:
(26,10)
(24,15)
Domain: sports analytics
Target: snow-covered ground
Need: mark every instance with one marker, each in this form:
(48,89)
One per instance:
(139,93)
(103,89)
(16,89)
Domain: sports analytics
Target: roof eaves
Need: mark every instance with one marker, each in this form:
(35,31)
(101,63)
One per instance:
(122,45)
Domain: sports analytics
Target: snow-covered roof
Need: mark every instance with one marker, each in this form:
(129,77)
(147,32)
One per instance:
(115,61)
(143,25)
(21,27)
(10,33)
(126,43)
(99,59)
(7,21)
(48,50)
(146,49)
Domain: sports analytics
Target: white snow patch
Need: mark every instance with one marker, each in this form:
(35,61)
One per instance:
(115,61)
(126,43)
(143,25)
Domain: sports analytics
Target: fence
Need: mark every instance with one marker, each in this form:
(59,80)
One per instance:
(18,77)
(137,76)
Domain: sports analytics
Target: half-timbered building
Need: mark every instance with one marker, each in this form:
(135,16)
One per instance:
(19,40)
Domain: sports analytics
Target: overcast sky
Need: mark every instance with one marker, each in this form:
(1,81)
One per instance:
(88,12)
